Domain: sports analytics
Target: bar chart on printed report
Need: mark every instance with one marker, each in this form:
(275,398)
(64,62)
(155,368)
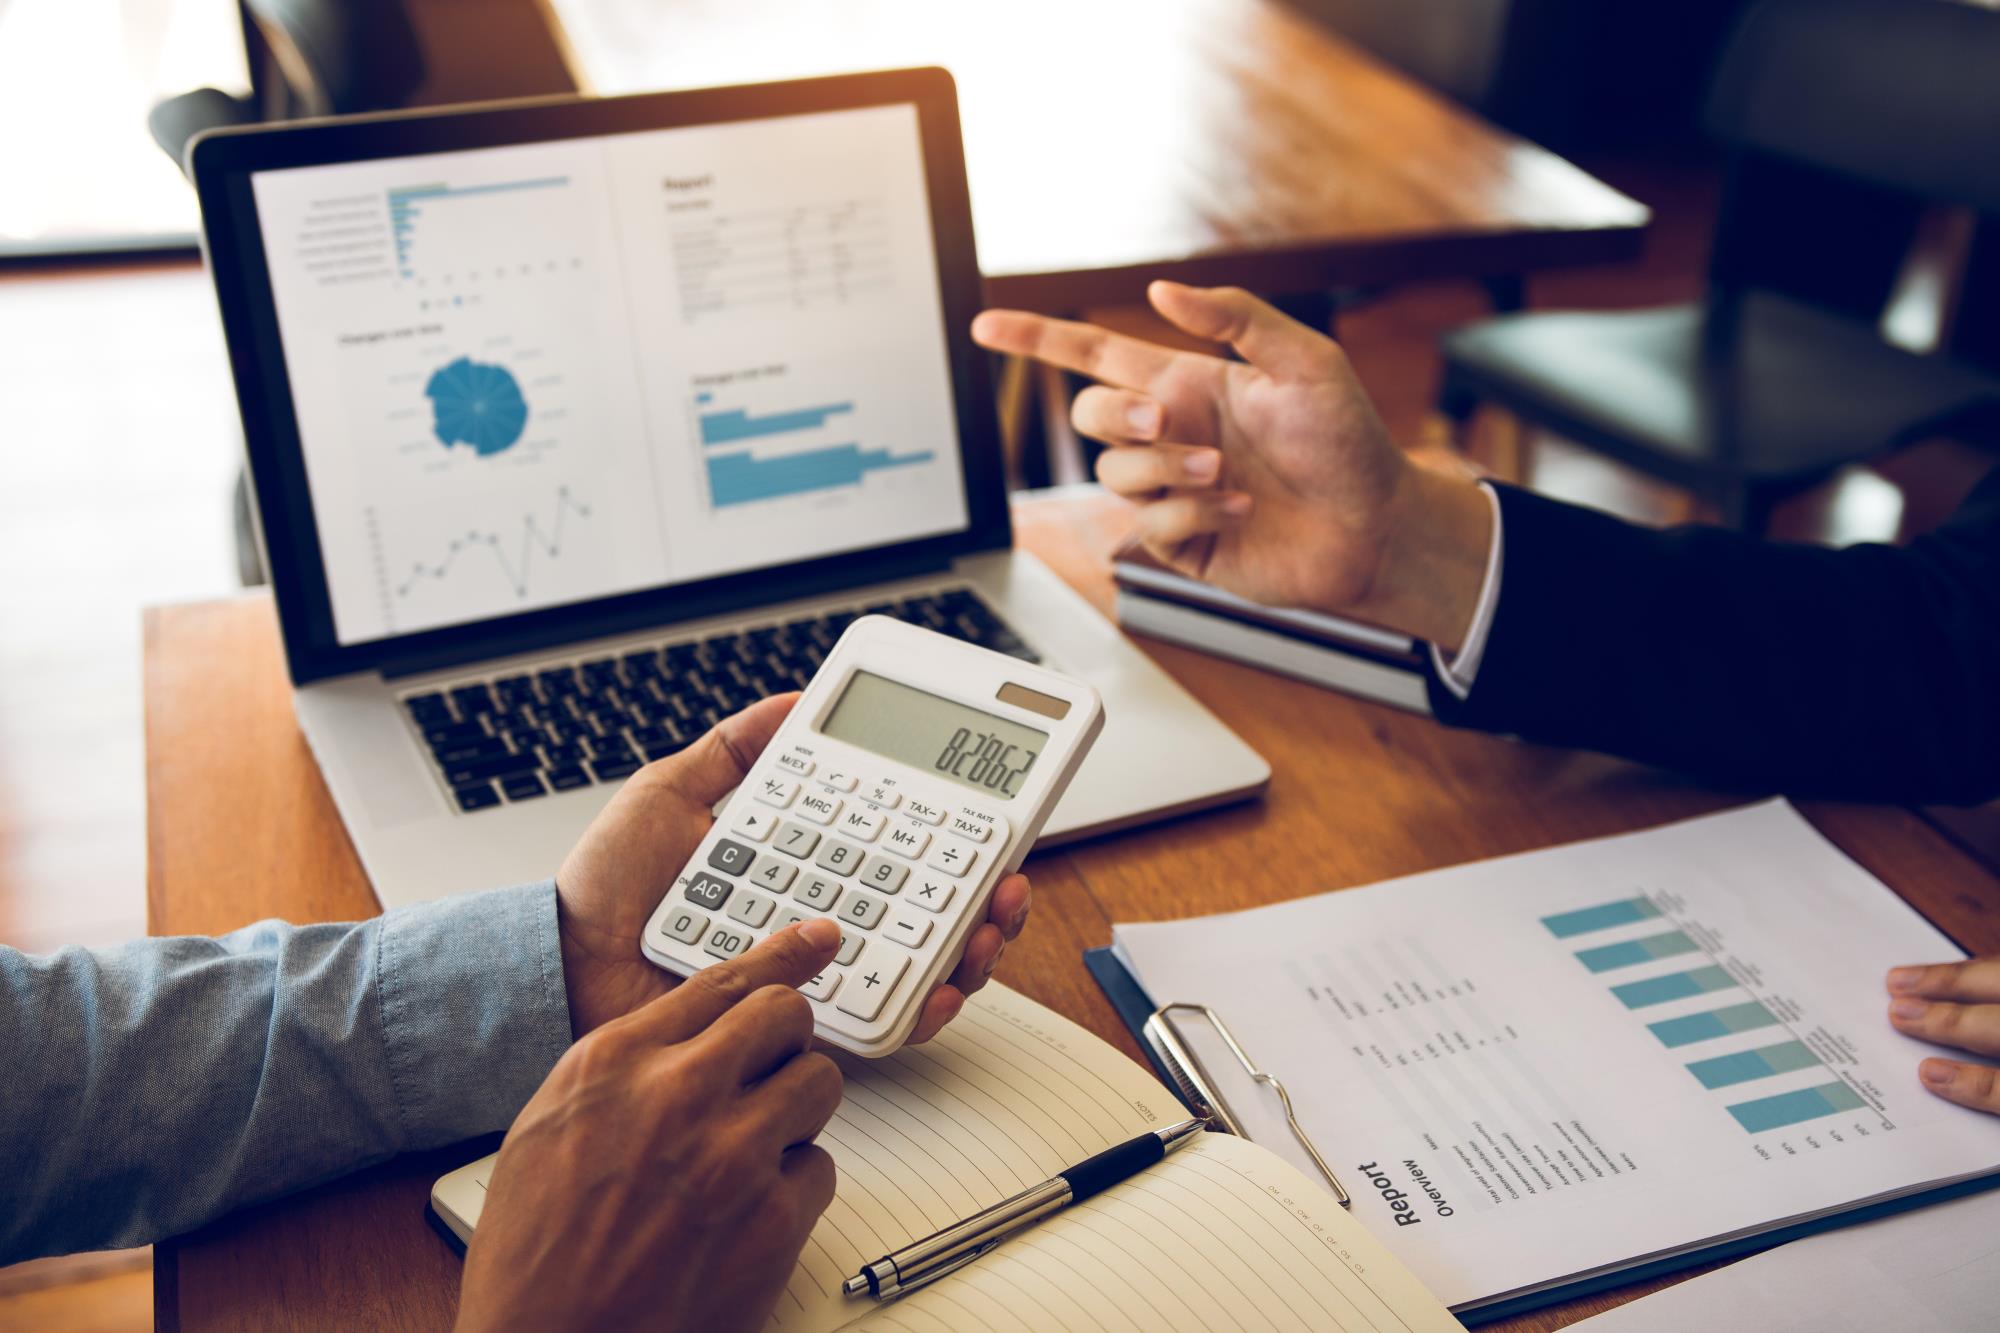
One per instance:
(1795,1073)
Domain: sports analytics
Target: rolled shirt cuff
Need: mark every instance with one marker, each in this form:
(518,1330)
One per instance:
(474,1010)
(1459,674)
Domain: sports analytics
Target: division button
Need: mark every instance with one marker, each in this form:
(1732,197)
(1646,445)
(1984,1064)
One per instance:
(952,857)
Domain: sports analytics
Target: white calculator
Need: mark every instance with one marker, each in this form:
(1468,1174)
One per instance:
(911,778)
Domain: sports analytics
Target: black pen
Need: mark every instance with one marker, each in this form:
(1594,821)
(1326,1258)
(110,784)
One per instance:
(960,1243)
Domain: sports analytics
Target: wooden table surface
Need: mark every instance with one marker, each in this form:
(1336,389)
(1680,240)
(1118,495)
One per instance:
(1114,141)
(240,827)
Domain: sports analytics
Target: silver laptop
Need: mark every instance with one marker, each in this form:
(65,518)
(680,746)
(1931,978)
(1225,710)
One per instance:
(574,426)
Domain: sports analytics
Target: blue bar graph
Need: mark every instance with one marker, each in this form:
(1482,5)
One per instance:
(1607,956)
(1724,1070)
(1793,1108)
(1713,1023)
(1602,917)
(736,425)
(404,212)
(735,479)
(1673,986)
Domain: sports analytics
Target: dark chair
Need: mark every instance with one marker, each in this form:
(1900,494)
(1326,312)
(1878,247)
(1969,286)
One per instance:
(1843,122)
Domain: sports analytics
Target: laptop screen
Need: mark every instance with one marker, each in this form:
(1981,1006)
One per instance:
(541,374)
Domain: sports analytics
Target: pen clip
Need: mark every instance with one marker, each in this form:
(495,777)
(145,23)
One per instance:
(1167,1043)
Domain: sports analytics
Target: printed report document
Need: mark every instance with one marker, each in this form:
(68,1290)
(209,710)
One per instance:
(1548,1068)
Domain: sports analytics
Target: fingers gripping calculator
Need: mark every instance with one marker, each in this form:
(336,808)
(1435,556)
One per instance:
(911,778)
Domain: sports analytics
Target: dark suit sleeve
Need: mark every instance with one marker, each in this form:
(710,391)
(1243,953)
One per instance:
(1870,673)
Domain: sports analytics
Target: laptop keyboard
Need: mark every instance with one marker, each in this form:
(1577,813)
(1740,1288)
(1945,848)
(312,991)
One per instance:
(516,737)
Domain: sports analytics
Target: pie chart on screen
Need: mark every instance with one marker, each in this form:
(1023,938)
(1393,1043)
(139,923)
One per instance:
(476,403)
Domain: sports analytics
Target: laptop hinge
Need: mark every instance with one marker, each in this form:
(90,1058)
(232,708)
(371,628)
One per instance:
(657,616)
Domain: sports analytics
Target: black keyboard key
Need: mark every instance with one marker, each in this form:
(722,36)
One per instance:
(473,700)
(523,787)
(644,663)
(516,692)
(428,708)
(557,681)
(460,752)
(475,795)
(567,777)
(479,770)
(611,770)
(446,732)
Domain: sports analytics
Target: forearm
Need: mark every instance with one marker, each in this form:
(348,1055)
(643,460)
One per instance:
(156,1086)
(1863,673)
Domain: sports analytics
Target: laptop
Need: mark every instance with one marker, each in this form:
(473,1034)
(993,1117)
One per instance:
(576,425)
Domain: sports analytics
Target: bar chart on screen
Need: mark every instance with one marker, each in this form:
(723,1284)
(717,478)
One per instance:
(811,449)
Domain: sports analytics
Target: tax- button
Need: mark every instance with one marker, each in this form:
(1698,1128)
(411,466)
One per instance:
(952,857)
(924,810)
(970,828)
(864,993)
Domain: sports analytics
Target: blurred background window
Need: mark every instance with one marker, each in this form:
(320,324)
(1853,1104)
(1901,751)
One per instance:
(78,169)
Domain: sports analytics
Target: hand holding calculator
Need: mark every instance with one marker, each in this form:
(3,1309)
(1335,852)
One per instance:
(911,778)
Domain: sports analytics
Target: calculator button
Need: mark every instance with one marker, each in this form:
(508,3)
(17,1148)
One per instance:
(726,942)
(683,925)
(797,764)
(863,910)
(777,791)
(821,987)
(905,927)
(840,857)
(839,780)
(797,840)
(819,807)
(924,810)
(884,875)
(708,891)
(954,858)
(731,858)
(750,909)
(788,918)
(862,825)
(850,948)
(753,822)
(971,828)
(865,992)
(775,876)
(885,796)
(933,892)
(818,891)
(907,840)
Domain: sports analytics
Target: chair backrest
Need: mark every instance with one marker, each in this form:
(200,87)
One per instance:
(1844,121)
(341,56)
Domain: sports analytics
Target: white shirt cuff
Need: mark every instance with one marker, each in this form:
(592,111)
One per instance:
(1459,673)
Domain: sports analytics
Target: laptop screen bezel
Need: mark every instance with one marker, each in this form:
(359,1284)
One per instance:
(222,164)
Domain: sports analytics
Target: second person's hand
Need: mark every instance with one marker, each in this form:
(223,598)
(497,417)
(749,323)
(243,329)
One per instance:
(1272,477)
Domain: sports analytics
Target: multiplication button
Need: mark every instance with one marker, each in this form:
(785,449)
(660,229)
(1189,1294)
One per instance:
(932,892)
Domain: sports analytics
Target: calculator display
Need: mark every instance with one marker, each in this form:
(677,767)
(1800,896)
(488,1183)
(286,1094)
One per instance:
(936,735)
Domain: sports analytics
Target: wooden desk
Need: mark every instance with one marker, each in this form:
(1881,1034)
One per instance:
(240,827)
(1115,141)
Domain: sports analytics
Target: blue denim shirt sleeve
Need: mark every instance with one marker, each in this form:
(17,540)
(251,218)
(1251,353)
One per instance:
(152,1087)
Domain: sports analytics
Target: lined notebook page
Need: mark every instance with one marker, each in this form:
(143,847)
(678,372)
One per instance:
(1007,1096)
(1221,1235)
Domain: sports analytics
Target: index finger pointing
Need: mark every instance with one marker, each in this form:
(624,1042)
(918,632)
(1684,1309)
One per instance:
(1084,348)
(788,958)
